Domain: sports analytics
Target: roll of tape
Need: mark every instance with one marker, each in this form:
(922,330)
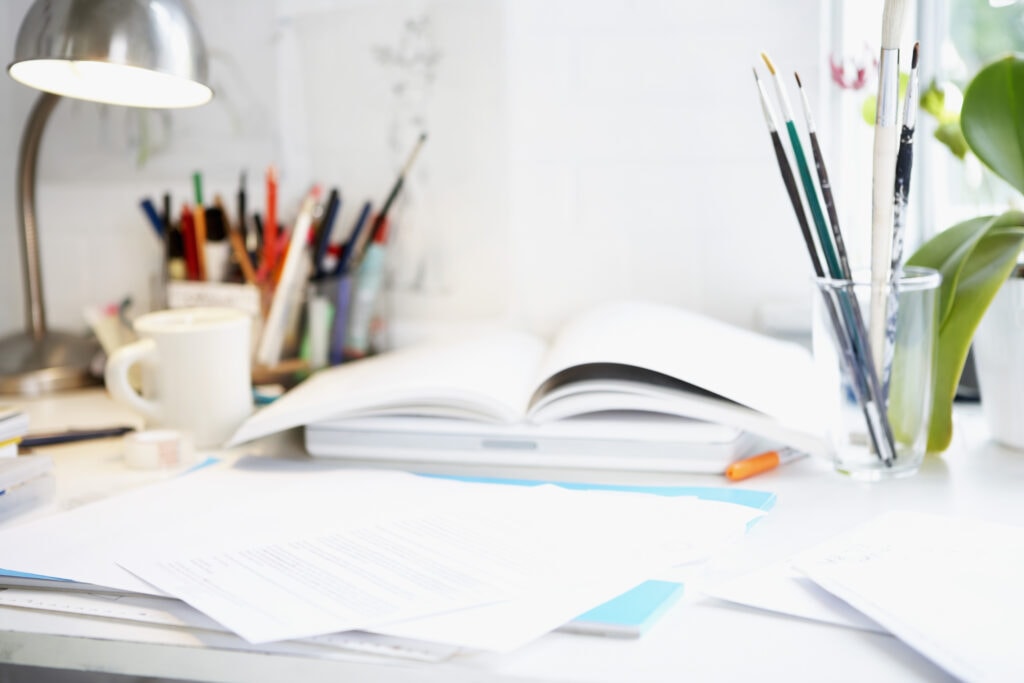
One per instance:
(157,448)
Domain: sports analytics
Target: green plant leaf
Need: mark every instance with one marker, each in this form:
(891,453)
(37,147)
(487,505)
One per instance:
(933,101)
(992,118)
(975,258)
(952,137)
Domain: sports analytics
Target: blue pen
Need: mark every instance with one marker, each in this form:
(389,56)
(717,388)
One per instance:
(154,218)
(353,241)
(324,236)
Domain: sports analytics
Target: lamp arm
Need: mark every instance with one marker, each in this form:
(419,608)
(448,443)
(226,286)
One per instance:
(35,309)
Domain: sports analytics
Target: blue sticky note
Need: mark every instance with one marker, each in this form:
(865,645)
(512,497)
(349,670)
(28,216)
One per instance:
(630,614)
(759,500)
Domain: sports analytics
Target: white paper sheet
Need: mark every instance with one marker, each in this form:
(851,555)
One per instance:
(780,588)
(252,499)
(464,551)
(705,527)
(540,537)
(146,609)
(949,587)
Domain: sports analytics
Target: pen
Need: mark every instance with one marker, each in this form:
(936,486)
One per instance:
(349,248)
(243,228)
(763,462)
(216,249)
(323,237)
(71,435)
(269,257)
(154,218)
(188,235)
(166,216)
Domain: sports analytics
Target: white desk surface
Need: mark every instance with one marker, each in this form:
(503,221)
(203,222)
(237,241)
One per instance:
(700,639)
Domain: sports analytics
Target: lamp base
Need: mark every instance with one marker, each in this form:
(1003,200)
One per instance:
(58,362)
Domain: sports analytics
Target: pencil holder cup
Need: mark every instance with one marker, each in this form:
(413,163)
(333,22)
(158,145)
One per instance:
(877,409)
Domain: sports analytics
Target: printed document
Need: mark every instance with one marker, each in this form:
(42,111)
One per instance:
(277,549)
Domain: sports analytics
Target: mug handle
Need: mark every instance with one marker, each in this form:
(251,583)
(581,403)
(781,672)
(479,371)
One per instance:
(116,376)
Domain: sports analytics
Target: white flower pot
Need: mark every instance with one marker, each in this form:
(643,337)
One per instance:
(999,360)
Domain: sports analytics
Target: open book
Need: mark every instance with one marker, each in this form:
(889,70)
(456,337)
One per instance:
(635,373)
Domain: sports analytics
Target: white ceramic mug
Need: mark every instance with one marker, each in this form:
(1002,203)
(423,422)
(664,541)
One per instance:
(196,374)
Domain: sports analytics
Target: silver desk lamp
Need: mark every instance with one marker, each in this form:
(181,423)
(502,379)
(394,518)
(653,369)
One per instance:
(136,53)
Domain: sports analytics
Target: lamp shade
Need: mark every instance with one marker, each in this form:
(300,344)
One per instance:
(137,53)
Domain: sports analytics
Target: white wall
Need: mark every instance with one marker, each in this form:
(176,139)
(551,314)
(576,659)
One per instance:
(578,150)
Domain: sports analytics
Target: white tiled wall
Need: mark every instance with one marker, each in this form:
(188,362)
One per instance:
(578,150)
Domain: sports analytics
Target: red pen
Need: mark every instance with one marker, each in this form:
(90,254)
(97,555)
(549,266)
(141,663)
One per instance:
(188,237)
(270,238)
(763,462)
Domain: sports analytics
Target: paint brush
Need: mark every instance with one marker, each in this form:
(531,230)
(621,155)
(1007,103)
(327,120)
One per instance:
(904,161)
(883,177)
(865,387)
(372,234)
(874,388)
(788,180)
(810,191)
(901,192)
(823,181)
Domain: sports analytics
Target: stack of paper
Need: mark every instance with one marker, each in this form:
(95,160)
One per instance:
(948,587)
(13,426)
(281,551)
(25,483)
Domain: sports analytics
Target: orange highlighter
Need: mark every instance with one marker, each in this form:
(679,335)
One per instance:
(763,462)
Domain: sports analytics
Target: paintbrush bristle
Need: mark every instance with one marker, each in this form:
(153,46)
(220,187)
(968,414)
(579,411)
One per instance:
(768,63)
(798,83)
(913,60)
(892,23)
(769,116)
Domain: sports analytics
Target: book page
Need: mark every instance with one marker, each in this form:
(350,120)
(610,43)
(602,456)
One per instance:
(768,375)
(485,377)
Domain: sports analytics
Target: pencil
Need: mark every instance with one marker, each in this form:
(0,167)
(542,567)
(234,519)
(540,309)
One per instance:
(236,239)
(199,224)
(883,177)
